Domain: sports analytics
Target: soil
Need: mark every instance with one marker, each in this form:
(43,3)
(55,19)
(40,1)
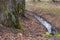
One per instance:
(33,30)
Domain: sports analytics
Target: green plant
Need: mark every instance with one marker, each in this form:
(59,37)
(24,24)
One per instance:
(48,34)
(57,34)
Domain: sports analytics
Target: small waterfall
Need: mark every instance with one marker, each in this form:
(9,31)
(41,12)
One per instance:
(46,24)
(43,22)
(51,29)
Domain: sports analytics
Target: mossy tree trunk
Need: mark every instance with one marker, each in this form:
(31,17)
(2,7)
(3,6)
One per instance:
(10,12)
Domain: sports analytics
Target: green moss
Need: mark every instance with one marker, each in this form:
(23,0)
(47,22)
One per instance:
(19,26)
(21,8)
(47,34)
(18,7)
(13,15)
(57,34)
(17,23)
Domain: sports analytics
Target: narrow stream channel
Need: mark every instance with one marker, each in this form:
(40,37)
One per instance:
(51,29)
(46,24)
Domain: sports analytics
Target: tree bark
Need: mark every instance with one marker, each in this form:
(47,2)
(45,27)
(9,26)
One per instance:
(10,10)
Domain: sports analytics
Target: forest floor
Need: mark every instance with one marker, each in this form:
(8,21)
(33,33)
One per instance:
(33,30)
(49,11)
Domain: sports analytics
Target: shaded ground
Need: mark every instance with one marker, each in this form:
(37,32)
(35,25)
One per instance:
(49,11)
(14,34)
(33,30)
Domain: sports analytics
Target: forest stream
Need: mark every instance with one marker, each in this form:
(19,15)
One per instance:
(50,28)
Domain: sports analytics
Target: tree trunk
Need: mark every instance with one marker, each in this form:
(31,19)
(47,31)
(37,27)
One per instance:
(53,0)
(38,0)
(10,10)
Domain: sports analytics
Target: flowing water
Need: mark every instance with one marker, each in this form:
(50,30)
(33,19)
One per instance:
(47,25)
